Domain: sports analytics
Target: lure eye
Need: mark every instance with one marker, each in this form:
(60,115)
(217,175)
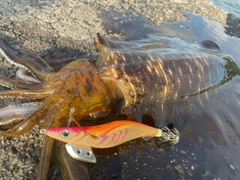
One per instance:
(65,133)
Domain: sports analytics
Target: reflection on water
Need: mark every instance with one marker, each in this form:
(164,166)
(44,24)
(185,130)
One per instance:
(208,122)
(232,6)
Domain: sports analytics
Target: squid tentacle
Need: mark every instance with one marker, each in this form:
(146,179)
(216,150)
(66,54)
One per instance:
(13,114)
(57,121)
(29,93)
(22,75)
(57,64)
(31,62)
(15,83)
(45,157)
(21,128)
(29,122)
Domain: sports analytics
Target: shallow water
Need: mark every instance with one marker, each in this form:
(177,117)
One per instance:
(208,122)
(209,145)
(232,6)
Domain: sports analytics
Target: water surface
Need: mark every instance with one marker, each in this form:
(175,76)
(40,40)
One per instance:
(209,146)
(232,7)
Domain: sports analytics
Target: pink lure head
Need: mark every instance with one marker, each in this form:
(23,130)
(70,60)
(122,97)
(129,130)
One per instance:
(65,134)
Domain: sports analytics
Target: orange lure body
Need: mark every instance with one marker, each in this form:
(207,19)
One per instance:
(105,135)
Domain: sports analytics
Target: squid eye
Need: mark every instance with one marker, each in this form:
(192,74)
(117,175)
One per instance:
(65,133)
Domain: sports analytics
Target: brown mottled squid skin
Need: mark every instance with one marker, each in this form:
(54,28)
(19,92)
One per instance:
(82,88)
(75,91)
